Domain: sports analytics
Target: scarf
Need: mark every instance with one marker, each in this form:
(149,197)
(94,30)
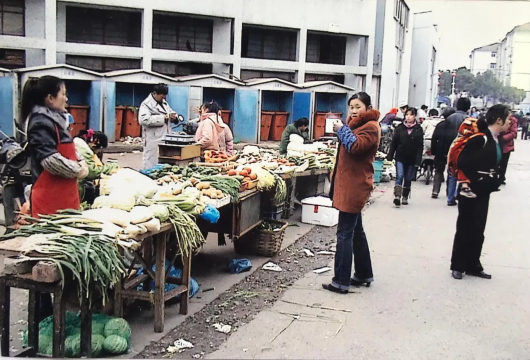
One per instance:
(410,127)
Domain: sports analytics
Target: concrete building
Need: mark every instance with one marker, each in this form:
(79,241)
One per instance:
(392,54)
(484,58)
(423,84)
(513,58)
(326,40)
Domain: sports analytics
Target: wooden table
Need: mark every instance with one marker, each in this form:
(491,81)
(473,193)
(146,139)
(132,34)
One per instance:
(127,288)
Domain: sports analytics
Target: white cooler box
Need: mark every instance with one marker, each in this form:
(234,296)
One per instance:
(318,211)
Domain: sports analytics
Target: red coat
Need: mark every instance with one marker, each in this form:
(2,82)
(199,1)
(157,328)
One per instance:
(353,177)
(507,138)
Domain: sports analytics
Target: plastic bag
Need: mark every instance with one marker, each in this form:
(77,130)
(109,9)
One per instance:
(193,287)
(211,214)
(236,266)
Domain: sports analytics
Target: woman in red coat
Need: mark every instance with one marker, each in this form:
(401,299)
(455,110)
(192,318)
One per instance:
(351,186)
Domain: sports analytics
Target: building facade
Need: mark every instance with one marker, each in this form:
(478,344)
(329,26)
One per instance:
(484,58)
(392,54)
(513,66)
(241,39)
(423,84)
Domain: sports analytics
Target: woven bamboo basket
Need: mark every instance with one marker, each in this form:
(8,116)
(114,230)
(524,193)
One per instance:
(262,242)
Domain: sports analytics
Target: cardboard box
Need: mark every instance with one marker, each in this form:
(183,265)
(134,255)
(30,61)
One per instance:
(319,211)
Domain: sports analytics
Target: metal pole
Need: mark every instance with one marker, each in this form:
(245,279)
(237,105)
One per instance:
(453,95)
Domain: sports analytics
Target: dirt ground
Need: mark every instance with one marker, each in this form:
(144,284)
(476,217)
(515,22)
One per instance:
(245,300)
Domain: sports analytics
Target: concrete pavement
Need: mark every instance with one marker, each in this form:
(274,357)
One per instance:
(414,309)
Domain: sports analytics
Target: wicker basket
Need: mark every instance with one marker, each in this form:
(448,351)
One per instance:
(262,242)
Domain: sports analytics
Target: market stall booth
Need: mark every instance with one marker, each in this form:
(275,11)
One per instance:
(7,101)
(84,88)
(277,106)
(206,88)
(125,91)
(330,100)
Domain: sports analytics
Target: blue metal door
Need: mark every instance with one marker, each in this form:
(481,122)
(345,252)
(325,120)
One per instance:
(245,119)
(301,105)
(178,98)
(110,110)
(7,116)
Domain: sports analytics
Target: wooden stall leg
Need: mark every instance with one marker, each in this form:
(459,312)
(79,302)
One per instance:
(59,324)
(86,330)
(5,296)
(33,321)
(160,244)
(148,257)
(186,271)
(118,298)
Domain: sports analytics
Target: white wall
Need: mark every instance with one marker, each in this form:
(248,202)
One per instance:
(481,60)
(422,84)
(394,87)
(520,72)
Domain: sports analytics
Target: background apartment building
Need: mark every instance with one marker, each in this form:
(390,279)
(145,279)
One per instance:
(484,58)
(423,84)
(513,66)
(326,40)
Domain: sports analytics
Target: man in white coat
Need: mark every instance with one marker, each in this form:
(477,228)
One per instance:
(155,116)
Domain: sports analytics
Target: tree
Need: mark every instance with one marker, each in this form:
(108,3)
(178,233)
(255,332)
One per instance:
(445,84)
(465,80)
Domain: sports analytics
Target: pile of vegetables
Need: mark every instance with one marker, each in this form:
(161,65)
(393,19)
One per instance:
(213,156)
(246,174)
(227,184)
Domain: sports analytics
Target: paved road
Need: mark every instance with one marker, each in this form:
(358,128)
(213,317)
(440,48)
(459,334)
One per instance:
(414,309)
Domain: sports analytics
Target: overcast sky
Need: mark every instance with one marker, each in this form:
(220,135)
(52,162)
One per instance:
(466,25)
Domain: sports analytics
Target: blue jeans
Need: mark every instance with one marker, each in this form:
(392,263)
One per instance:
(451,189)
(352,246)
(404,174)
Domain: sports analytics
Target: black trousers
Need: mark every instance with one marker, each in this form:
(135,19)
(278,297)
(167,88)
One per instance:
(503,166)
(524,133)
(469,237)
(439,170)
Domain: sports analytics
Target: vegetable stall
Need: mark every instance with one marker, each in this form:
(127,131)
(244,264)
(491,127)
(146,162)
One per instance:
(154,220)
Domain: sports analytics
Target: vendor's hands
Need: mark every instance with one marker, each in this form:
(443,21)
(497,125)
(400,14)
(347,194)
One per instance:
(173,115)
(84,170)
(337,125)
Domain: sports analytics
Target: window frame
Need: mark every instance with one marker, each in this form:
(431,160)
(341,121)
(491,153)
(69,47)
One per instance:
(154,64)
(103,60)
(321,38)
(3,14)
(265,32)
(184,20)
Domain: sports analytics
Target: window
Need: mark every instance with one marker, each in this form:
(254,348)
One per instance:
(326,49)
(12,17)
(12,59)
(494,54)
(173,32)
(401,13)
(106,27)
(100,64)
(399,61)
(325,77)
(493,66)
(255,74)
(175,69)
(271,44)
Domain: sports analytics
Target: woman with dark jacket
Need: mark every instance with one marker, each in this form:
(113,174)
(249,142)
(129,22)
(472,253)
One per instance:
(352,183)
(407,149)
(478,161)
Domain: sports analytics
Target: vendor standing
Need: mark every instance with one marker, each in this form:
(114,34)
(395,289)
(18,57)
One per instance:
(211,128)
(155,116)
(55,167)
(299,127)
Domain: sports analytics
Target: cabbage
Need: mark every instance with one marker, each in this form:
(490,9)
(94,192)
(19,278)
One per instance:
(160,211)
(132,181)
(118,200)
(140,214)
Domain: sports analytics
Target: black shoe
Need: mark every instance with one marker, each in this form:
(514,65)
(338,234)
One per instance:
(354,282)
(434,195)
(457,275)
(332,288)
(480,274)
(452,203)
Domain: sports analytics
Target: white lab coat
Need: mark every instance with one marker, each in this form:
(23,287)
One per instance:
(154,127)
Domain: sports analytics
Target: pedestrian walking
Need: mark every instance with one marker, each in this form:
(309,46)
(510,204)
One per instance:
(407,149)
(155,116)
(442,138)
(525,123)
(351,185)
(507,140)
(478,161)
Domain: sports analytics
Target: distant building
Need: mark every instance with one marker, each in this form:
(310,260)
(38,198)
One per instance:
(392,54)
(423,83)
(513,58)
(484,58)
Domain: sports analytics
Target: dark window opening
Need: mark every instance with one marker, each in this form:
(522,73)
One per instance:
(271,44)
(105,27)
(175,69)
(12,59)
(12,17)
(100,64)
(256,74)
(173,32)
(326,49)
(325,77)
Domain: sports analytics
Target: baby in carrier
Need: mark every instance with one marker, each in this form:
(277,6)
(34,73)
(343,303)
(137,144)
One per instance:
(467,130)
